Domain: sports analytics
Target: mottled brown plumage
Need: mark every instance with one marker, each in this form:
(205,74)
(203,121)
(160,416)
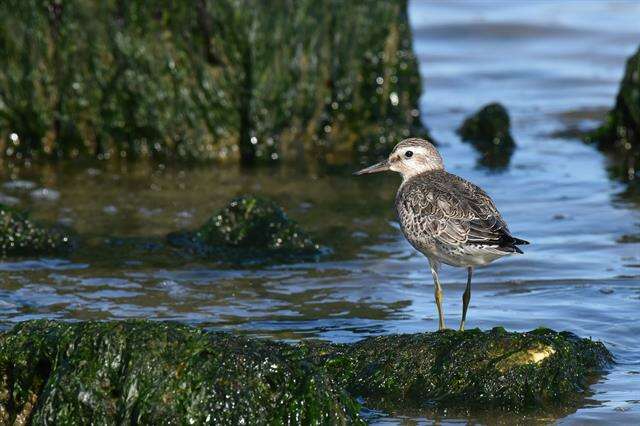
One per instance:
(452,220)
(445,217)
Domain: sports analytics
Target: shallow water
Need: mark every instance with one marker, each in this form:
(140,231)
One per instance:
(551,64)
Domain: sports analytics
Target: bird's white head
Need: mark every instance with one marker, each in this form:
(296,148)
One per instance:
(409,158)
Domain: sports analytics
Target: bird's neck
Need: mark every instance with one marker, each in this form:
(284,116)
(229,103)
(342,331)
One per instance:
(409,174)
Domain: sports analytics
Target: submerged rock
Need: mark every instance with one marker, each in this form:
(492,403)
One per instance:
(140,372)
(20,236)
(489,369)
(619,135)
(248,228)
(488,130)
(151,372)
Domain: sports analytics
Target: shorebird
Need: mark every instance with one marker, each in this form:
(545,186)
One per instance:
(445,217)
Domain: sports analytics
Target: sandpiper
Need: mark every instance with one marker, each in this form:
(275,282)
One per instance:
(445,217)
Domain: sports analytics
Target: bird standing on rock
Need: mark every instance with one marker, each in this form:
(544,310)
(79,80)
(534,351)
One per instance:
(445,217)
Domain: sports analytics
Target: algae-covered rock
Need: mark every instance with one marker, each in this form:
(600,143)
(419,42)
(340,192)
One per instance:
(142,372)
(250,79)
(153,373)
(248,228)
(491,369)
(20,236)
(620,132)
(488,130)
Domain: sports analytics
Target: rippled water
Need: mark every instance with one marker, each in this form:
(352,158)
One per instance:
(551,63)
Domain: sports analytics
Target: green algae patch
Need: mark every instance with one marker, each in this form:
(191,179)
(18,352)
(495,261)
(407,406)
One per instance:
(249,227)
(21,236)
(486,369)
(489,131)
(141,372)
(145,372)
(619,135)
(258,81)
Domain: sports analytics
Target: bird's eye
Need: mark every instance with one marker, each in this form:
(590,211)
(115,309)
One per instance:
(408,154)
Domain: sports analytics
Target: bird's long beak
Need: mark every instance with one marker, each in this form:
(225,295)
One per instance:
(380,167)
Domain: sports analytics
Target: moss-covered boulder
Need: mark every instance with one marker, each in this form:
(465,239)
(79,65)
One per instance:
(143,372)
(489,131)
(20,236)
(154,373)
(490,369)
(250,79)
(619,135)
(248,228)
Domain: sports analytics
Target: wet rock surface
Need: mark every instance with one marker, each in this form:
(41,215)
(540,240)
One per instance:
(21,236)
(488,130)
(212,79)
(148,372)
(619,135)
(139,372)
(248,228)
(488,369)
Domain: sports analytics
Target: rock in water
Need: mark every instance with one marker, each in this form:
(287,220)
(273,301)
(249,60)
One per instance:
(145,372)
(153,373)
(620,133)
(488,130)
(488,369)
(20,236)
(249,228)
(264,80)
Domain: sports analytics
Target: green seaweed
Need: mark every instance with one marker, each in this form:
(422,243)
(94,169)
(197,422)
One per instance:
(488,130)
(240,79)
(619,135)
(249,227)
(20,236)
(488,369)
(146,372)
(139,372)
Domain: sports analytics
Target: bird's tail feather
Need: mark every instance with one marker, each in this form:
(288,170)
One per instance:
(510,244)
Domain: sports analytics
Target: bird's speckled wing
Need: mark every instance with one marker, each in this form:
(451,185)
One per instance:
(450,211)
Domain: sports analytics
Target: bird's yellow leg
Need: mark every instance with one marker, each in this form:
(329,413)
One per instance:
(466,297)
(438,293)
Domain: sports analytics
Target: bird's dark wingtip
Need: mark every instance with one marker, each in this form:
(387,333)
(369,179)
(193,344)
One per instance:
(510,244)
(519,242)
